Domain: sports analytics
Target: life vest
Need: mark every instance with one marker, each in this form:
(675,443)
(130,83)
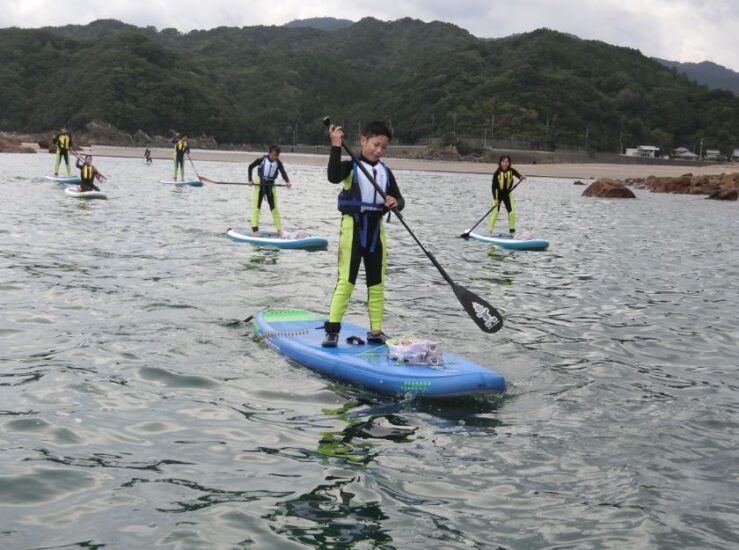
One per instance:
(88,172)
(359,195)
(181,147)
(267,171)
(504,181)
(62,141)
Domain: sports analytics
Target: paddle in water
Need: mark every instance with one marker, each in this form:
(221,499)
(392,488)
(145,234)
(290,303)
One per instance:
(193,167)
(466,234)
(485,316)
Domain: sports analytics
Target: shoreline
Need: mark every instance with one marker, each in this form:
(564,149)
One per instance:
(576,171)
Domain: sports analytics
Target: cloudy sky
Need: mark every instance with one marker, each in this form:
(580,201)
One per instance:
(683,30)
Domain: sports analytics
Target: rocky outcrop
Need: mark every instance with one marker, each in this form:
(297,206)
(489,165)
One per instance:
(13,145)
(578,182)
(608,188)
(721,187)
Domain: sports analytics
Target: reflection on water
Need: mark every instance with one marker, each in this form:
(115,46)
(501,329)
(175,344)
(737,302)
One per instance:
(137,411)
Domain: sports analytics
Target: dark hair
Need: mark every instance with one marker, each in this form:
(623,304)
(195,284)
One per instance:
(504,157)
(377,128)
(275,148)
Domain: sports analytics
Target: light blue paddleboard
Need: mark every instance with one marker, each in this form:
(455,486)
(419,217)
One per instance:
(270,238)
(505,241)
(76,193)
(65,180)
(298,334)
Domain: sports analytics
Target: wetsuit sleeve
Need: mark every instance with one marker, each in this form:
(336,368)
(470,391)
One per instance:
(281,168)
(252,166)
(394,191)
(187,149)
(338,169)
(79,164)
(495,187)
(70,141)
(56,140)
(516,173)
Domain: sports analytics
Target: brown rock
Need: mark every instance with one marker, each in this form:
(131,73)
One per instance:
(731,195)
(578,182)
(608,188)
(13,145)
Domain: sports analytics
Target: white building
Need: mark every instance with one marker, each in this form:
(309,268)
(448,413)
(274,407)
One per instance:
(712,154)
(683,153)
(735,155)
(648,151)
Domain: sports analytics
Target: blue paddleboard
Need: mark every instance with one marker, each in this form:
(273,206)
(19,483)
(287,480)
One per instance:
(505,241)
(270,238)
(298,334)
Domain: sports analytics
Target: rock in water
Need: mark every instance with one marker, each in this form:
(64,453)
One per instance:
(578,182)
(608,188)
(730,195)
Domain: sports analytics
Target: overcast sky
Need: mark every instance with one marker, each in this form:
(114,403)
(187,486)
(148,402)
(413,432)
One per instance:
(682,30)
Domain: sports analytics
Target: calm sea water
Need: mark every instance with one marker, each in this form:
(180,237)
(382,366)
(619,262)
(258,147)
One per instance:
(137,412)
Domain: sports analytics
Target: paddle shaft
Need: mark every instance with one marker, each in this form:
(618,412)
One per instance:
(237,182)
(193,167)
(467,233)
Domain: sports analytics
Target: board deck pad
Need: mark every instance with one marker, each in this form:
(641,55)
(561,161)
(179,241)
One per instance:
(270,238)
(298,333)
(505,241)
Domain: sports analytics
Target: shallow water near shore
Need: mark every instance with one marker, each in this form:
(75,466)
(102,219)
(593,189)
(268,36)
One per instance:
(138,412)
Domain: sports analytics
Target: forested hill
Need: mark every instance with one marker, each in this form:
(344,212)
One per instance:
(255,84)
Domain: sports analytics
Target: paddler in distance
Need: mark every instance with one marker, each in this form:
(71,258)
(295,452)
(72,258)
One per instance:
(269,166)
(63,142)
(502,187)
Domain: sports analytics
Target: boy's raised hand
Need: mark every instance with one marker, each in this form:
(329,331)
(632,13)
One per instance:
(336,133)
(390,202)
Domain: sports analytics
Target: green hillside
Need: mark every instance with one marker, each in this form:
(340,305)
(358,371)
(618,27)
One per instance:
(255,84)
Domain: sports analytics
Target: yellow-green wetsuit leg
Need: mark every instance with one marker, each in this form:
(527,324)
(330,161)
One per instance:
(351,254)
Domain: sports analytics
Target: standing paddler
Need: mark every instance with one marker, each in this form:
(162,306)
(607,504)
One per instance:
(63,142)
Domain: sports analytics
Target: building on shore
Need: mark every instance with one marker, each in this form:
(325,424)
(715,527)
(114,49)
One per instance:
(735,155)
(644,151)
(712,154)
(683,153)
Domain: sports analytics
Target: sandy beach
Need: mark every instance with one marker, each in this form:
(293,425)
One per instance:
(580,171)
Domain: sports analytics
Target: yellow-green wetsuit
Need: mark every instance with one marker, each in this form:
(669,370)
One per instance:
(502,184)
(265,189)
(63,143)
(362,238)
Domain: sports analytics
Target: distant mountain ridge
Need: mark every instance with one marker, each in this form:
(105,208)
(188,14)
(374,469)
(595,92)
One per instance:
(320,23)
(434,80)
(707,73)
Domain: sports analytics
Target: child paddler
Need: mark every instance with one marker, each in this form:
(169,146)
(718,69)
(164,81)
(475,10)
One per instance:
(269,166)
(502,185)
(362,236)
(63,142)
(181,149)
(88,174)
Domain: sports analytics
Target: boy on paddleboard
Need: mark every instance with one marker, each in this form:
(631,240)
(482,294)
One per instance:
(269,167)
(63,142)
(181,149)
(502,187)
(88,174)
(362,236)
